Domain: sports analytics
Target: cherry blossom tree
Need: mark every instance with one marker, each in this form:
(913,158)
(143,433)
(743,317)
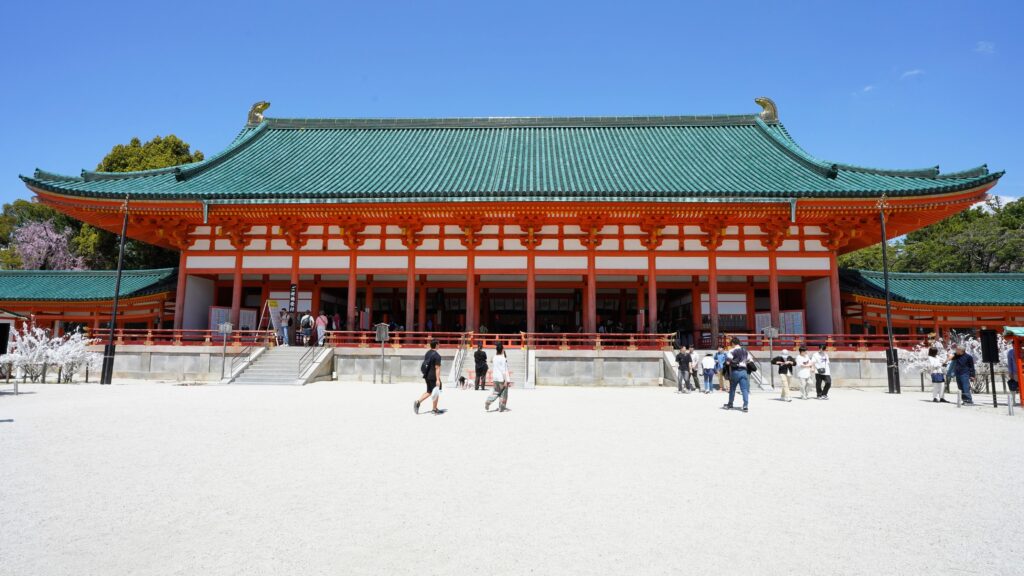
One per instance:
(33,349)
(40,246)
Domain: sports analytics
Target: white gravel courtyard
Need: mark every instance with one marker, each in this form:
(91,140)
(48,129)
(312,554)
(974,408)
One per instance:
(343,479)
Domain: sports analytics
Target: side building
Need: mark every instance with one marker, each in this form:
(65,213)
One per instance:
(698,224)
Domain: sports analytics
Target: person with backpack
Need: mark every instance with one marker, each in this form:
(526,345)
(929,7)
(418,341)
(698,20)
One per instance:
(431,370)
(737,359)
(785,362)
(683,361)
(480,368)
(501,380)
(306,328)
(822,372)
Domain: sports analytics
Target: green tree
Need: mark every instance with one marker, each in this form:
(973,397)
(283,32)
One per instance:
(98,247)
(160,152)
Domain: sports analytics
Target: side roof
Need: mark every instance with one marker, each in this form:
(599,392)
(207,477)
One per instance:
(82,285)
(936,288)
(607,159)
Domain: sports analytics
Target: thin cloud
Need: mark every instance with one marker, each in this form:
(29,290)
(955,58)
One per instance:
(911,73)
(985,47)
(867,88)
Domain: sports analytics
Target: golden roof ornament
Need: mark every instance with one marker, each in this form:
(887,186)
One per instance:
(256,112)
(769,112)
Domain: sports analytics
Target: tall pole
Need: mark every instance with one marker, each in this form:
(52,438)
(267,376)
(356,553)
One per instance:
(107,371)
(891,357)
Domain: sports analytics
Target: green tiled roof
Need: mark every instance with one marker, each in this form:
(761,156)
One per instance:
(646,158)
(80,285)
(941,289)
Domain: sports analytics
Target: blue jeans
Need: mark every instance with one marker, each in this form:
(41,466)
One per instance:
(709,377)
(738,376)
(964,382)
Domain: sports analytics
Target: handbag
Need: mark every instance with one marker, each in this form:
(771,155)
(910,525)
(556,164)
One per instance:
(938,378)
(821,371)
(751,367)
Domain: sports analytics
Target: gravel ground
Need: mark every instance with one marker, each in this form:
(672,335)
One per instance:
(344,479)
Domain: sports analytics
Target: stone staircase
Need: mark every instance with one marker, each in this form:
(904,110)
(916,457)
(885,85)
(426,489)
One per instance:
(517,359)
(277,365)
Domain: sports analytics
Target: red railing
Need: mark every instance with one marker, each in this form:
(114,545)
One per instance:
(849,342)
(538,341)
(170,337)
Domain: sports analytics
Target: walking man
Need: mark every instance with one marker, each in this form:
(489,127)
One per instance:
(822,372)
(803,372)
(737,359)
(480,368)
(683,361)
(963,371)
(785,362)
(501,380)
(306,326)
(431,369)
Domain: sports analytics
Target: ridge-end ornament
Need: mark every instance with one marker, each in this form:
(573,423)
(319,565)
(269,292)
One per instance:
(769,111)
(256,112)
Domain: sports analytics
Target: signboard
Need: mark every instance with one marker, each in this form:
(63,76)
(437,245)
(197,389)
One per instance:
(293,298)
(382,332)
(275,314)
(224,328)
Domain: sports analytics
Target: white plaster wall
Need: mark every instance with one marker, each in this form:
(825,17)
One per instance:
(750,263)
(561,263)
(210,262)
(681,263)
(548,244)
(500,262)
(623,263)
(383,262)
(819,307)
(199,294)
(802,263)
(267,262)
(328,262)
(427,262)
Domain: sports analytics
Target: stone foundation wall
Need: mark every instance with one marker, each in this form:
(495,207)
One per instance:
(180,363)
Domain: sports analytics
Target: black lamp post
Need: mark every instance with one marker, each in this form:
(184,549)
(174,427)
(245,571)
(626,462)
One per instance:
(891,356)
(107,372)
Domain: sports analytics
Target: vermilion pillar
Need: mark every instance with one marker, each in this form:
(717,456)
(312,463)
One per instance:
(652,295)
(410,290)
(350,302)
(591,299)
(422,317)
(369,300)
(471,306)
(713,295)
(773,289)
(236,291)
(837,312)
(179,294)
(531,293)
(639,302)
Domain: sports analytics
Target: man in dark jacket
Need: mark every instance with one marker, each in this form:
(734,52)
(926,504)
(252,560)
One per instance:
(962,367)
(684,361)
(480,361)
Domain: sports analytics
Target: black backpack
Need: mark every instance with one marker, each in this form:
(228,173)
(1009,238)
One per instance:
(428,364)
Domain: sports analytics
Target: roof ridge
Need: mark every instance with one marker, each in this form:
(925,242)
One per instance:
(938,275)
(151,271)
(511,122)
(790,147)
(239,144)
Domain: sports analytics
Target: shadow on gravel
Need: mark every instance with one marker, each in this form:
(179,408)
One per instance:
(7,420)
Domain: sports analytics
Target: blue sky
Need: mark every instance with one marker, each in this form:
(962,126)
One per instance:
(890,84)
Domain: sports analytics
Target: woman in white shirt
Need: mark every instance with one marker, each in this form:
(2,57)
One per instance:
(803,371)
(707,365)
(937,375)
(499,372)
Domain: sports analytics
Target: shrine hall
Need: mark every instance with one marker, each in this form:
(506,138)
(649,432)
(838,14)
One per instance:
(697,224)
